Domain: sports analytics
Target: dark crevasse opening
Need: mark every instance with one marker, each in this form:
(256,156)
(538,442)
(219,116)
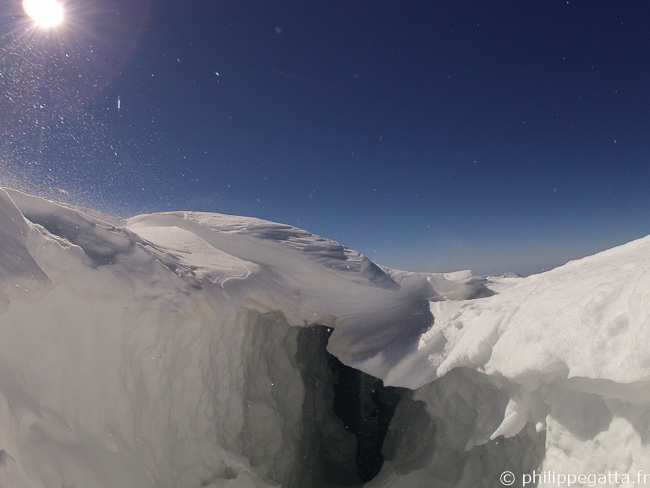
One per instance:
(440,434)
(366,407)
(355,408)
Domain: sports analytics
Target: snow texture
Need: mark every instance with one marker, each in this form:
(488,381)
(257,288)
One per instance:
(165,351)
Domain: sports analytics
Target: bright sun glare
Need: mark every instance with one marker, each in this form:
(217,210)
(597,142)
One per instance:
(45,13)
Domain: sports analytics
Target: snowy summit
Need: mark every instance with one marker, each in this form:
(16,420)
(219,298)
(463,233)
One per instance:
(187,349)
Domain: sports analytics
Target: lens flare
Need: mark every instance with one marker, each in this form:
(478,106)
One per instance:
(45,13)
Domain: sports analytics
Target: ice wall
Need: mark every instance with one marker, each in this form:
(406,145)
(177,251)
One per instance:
(162,351)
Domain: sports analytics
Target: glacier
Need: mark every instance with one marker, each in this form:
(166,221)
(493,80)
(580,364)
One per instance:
(188,349)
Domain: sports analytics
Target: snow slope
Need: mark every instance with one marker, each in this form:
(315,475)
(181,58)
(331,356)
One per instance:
(162,351)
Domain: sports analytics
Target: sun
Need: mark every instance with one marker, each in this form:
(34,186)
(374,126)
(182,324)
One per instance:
(45,13)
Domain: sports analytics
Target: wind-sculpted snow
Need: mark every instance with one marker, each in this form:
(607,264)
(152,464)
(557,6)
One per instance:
(589,319)
(164,351)
(18,270)
(311,280)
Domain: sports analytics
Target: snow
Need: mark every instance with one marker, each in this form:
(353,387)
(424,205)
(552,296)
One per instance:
(170,350)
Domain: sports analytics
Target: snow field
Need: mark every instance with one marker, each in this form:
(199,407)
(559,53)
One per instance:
(170,351)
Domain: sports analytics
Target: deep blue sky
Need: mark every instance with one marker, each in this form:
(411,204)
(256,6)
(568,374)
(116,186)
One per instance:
(430,135)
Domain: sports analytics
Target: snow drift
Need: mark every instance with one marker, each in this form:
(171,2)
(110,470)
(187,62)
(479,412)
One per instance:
(173,350)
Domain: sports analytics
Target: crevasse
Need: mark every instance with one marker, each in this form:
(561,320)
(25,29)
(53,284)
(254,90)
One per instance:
(181,350)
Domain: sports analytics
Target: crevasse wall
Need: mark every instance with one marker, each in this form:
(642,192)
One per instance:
(106,392)
(122,374)
(440,436)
